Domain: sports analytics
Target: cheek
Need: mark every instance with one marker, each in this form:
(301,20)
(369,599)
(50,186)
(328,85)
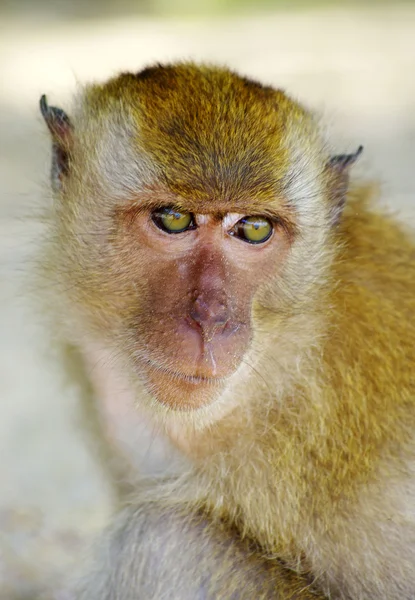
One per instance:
(276,292)
(116,291)
(167,295)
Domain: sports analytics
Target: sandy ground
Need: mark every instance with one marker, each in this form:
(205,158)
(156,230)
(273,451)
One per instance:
(356,68)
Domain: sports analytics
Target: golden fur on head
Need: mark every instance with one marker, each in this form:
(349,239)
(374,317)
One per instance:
(241,151)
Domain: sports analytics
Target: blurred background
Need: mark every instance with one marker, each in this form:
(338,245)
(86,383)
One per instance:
(353,63)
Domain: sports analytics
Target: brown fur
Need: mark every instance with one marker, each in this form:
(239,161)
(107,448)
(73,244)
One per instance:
(305,454)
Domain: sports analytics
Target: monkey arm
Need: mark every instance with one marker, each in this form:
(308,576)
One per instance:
(156,553)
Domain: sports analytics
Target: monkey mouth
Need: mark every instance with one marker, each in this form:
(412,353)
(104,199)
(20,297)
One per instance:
(180,391)
(179,376)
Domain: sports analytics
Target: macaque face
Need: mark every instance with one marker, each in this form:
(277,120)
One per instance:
(200,272)
(180,199)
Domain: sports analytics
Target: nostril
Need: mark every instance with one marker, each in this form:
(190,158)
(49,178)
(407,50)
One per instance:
(221,318)
(213,313)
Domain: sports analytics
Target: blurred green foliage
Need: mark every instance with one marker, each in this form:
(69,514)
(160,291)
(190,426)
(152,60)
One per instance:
(111,8)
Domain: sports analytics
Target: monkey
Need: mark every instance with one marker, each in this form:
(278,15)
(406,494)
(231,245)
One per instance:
(210,251)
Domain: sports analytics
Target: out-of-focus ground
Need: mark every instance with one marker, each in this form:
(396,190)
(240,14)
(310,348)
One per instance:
(356,66)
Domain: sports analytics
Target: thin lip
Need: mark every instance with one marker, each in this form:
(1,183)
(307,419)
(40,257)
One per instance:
(195,379)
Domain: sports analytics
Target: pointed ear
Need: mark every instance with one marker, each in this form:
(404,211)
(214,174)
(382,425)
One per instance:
(61,131)
(338,171)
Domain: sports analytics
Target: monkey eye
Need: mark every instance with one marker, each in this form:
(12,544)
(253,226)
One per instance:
(173,221)
(254,230)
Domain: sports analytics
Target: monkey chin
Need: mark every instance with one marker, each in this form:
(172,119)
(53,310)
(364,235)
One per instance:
(181,392)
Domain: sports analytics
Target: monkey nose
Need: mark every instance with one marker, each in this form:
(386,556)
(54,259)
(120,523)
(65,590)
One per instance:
(210,315)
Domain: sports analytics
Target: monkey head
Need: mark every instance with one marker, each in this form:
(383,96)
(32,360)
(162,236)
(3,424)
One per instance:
(185,199)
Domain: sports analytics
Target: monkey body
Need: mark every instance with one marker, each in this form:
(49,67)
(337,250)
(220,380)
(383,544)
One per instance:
(289,384)
(338,485)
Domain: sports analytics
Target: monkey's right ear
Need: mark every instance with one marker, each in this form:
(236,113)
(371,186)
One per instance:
(61,130)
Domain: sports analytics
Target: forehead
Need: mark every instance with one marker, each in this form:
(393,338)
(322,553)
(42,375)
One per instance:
(211,135)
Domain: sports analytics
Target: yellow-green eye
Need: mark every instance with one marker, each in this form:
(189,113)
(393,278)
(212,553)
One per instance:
(254,230)
(173,221)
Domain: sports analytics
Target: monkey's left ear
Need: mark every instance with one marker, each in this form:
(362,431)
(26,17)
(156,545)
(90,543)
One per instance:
(61,130)
(338,168)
